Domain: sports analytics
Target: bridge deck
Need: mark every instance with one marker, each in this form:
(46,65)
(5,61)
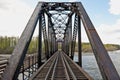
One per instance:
(60,67)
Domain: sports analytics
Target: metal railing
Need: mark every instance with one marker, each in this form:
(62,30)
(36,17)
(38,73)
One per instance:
(3,63)
(30,64)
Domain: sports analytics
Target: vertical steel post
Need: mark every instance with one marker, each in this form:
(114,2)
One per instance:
(32,65)
(74,36)
(29,71)
(40,42)
(52,43)
(63,45)
(56,45)
(45,36)
(23,76)
(79,43)
(67,41)
(50,37)
(70,36)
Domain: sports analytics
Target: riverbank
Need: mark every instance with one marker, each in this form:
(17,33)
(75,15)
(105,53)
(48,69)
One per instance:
(7,45)
(86,47)
(91,53)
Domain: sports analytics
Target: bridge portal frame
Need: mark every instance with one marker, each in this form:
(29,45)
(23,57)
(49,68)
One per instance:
(104,62)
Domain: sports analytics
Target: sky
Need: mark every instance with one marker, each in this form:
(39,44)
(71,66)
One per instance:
(105,15)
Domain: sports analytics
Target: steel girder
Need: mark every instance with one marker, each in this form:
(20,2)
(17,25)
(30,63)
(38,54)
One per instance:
(68,37)
(16,60)
(79,43)
(74,36)
(50,31)
(45,36)
(40,42)
(105,64)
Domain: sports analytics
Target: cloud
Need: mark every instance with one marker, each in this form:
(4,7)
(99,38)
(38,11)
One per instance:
(14,15)
(107,32)
(114,7)
(3,5)
(110,33)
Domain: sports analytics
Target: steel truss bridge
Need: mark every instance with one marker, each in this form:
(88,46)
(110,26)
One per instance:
(59,24)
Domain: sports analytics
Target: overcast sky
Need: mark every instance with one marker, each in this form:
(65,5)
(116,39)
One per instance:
(105,15)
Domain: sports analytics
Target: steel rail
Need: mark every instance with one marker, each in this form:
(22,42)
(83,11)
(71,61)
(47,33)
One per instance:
(66,72)
(59,67)
(69,68)
(50,69)
(78,67)
(53,74)
(34,75)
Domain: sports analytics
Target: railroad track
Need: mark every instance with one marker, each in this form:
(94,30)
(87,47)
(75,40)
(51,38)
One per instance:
(60,67)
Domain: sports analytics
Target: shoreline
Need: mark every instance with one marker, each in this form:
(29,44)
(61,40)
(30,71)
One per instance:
(91,53)
(76,53)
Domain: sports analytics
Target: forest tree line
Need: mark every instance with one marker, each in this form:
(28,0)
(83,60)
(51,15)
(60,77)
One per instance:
(7,44)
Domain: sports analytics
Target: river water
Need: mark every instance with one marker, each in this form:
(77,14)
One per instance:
(90,66)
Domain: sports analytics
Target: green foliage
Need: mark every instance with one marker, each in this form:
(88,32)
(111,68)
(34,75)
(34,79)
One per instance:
(33,47)
(86,47)
(7,44)
(111,47)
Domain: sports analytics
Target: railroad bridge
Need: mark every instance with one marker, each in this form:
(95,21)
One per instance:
(59,23)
